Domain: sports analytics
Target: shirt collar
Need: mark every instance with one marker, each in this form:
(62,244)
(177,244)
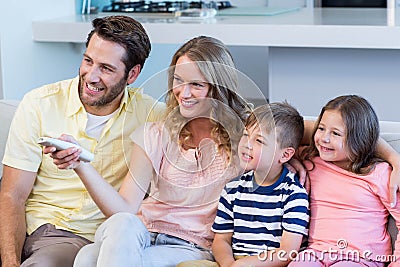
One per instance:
(74,103)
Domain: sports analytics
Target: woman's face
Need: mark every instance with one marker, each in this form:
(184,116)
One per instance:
(191,89)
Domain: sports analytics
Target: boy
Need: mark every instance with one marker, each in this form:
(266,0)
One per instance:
(262,215)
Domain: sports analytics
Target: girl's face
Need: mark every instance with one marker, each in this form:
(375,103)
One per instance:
(330,139)
(191,89)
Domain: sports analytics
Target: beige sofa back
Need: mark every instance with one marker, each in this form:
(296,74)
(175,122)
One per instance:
(7,110)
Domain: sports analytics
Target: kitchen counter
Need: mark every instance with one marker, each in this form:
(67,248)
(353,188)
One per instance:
(308,27)
(305,57)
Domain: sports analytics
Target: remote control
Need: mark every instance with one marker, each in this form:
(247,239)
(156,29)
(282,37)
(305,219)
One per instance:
(85,155)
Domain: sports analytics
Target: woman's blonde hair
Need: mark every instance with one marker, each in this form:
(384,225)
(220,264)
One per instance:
(228,110)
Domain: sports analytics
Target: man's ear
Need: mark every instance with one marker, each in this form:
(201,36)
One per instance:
(287,154)
(133,74)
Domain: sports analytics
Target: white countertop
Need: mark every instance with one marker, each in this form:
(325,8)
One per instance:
(308,27)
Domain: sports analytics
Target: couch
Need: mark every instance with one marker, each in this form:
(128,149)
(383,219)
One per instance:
(7,110)
(390,131)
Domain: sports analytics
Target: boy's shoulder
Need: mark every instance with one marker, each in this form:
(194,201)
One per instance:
(293,191)
(291,181)
(242,178)
(241,181)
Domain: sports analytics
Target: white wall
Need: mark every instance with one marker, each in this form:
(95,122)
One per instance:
(1,74)
(309,77)
(306,77)
(250,61)
(24,63)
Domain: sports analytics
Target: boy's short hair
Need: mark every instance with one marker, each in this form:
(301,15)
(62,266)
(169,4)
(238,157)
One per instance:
(282,117)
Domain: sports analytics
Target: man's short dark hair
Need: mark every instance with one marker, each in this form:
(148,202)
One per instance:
(127,32)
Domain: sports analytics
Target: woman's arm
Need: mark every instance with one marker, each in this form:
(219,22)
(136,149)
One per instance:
(386,152)
(381,190)
(133,188)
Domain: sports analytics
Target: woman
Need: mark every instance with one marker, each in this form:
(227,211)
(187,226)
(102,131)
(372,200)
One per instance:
(185,160)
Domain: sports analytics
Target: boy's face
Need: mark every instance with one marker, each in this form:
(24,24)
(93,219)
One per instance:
(258,150)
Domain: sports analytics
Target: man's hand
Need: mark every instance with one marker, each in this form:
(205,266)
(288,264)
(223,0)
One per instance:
(294,165)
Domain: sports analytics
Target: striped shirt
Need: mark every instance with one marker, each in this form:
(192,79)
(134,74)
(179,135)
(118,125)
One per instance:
(257,215)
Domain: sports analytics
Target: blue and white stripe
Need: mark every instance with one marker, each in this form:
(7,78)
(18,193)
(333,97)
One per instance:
(257,215)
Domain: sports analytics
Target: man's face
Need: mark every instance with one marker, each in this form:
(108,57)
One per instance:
(102,76)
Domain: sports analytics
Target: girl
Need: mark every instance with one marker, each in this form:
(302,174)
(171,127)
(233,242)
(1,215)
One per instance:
(349,198)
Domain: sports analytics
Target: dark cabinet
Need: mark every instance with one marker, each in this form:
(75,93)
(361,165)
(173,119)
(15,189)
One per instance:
(353,3)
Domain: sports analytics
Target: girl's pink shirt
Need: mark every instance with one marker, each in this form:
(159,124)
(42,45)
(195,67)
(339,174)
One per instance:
(349,212)
(185,191)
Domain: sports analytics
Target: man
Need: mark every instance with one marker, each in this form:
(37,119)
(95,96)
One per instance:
(47,214)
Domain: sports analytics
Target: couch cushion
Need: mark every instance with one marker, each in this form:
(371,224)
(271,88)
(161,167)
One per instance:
(7,110)
(390,131)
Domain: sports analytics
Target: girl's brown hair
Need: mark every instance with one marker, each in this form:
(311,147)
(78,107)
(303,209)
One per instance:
(361,132)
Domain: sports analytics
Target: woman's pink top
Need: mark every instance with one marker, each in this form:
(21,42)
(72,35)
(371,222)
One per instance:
(349,212)
(185,189)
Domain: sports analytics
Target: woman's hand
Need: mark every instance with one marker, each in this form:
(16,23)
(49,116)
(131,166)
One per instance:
(67,158)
